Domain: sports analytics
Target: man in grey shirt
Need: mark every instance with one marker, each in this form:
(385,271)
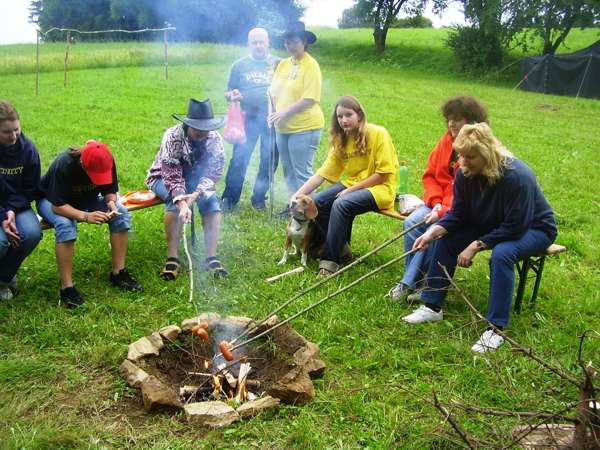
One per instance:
(249,80)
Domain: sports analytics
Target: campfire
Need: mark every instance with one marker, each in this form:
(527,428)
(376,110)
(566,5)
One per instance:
(195,368)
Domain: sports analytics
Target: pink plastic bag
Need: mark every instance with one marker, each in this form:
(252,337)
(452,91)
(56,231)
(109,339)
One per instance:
(234,132)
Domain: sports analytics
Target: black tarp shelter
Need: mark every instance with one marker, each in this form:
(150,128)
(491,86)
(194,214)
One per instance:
(575,74)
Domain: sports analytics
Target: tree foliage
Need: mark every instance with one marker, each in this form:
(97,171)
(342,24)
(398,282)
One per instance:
(550,20)
(206,20)
(380,14)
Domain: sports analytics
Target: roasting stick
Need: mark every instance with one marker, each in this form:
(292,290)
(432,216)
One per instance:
(324,299)
(320,282)
(189,259)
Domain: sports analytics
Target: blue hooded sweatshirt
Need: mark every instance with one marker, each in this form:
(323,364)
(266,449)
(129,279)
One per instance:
(19,176)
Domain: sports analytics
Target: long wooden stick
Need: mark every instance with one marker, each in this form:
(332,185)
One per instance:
(515,344)
(323,300)
(67,56)
(325,280)
(285,274)
(166,45)
(189,259)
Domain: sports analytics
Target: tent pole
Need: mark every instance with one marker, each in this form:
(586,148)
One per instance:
(584,75)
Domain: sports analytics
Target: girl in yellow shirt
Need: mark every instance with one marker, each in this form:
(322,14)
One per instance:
(362,165)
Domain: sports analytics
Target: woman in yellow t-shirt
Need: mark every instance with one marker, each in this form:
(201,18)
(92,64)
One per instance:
(295,95)
(364,154)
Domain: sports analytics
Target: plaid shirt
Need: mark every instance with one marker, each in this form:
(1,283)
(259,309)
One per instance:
(176,154)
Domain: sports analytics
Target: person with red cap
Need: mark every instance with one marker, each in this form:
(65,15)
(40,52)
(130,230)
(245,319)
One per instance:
(81,186)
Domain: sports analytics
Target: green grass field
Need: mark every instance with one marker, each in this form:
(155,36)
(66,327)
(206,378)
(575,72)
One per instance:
(59,386)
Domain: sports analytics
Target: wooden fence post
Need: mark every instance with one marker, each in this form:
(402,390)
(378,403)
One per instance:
(166,54)
(67,55)
(37,63)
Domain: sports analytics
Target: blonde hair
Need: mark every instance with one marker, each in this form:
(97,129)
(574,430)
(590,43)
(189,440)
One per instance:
(479,138)
(338,138)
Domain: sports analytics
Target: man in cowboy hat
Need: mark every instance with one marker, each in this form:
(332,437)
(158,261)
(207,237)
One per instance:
(249,79)
(185,170)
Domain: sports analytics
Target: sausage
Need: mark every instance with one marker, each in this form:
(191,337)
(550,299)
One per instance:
(203,325)
(202,334)
(225,348)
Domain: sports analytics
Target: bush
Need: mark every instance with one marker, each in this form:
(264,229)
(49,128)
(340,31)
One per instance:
(475,50)
(412,22)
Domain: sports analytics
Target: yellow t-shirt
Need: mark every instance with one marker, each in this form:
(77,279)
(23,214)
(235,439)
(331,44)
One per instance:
(292,82)
(380,158)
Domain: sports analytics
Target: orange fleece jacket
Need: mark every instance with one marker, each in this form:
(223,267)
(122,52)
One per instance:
(438,179)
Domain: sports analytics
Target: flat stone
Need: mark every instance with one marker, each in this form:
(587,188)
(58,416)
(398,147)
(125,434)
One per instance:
(132,373)
(255,407)
(211,414)
(288,339)
(187,324)
(307,357)
(158,396)
(294,388)
(141,348)
(156,340)
(170,332)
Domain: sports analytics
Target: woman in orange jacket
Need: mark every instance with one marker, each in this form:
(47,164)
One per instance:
(438,181)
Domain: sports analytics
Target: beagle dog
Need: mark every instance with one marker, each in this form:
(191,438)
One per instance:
(300,228)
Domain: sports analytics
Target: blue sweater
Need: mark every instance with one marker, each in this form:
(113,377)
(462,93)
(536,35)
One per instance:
(19,176)
(502,212)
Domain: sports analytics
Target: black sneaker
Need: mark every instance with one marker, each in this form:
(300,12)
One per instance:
(259,206)
(125,281)
(227,205)
(71,297)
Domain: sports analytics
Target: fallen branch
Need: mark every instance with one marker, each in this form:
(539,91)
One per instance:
(462,433)
(528,414)
(561,373)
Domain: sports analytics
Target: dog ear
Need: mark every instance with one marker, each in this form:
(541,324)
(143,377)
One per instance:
(310,209)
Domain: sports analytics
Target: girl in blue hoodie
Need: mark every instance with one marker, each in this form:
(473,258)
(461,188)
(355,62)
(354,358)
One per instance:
(19,186)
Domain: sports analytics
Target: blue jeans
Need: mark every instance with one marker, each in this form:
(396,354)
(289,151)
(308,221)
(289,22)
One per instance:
(336,215)
(11,257)
(205,205)
(502,268)
(416,265)
(256,127)
(297,152)
(65,229)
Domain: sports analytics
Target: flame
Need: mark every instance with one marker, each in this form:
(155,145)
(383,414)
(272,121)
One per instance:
(205,364)
(218,387)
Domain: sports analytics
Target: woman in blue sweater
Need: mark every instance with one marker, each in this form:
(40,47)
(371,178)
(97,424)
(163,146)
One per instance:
(497,205)
(19,183)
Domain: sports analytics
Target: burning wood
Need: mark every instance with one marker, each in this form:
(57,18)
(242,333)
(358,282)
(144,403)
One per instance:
(241,391)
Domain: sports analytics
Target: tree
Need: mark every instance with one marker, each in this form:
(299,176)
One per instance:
(551,20)
(382,14)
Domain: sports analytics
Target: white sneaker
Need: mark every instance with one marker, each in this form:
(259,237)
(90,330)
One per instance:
(489,341)
(424,314)
(399,292)
(5,292)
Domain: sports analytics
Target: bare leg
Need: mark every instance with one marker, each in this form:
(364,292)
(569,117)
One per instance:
(118,244)
(65,251)
(173,234)
(210,227)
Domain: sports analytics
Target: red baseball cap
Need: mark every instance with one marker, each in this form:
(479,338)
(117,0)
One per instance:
(97,161)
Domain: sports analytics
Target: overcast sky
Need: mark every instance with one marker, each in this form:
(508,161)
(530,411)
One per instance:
(14,27)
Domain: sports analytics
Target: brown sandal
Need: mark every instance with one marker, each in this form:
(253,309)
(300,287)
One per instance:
(170,270)
(213,265)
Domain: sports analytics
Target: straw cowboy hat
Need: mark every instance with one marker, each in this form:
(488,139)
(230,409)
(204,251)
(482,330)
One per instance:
(200,116)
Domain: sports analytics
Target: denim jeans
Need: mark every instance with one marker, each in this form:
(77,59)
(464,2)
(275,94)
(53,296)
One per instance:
(11,257)
(336,216)
(256,127)
(65,229)
(297,152)
(502,268)
(206,205)
(416,265)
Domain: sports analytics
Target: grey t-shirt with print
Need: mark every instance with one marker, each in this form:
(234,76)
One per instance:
(252,78)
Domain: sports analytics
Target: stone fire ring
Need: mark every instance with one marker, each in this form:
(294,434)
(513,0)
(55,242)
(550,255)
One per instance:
(297,364)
